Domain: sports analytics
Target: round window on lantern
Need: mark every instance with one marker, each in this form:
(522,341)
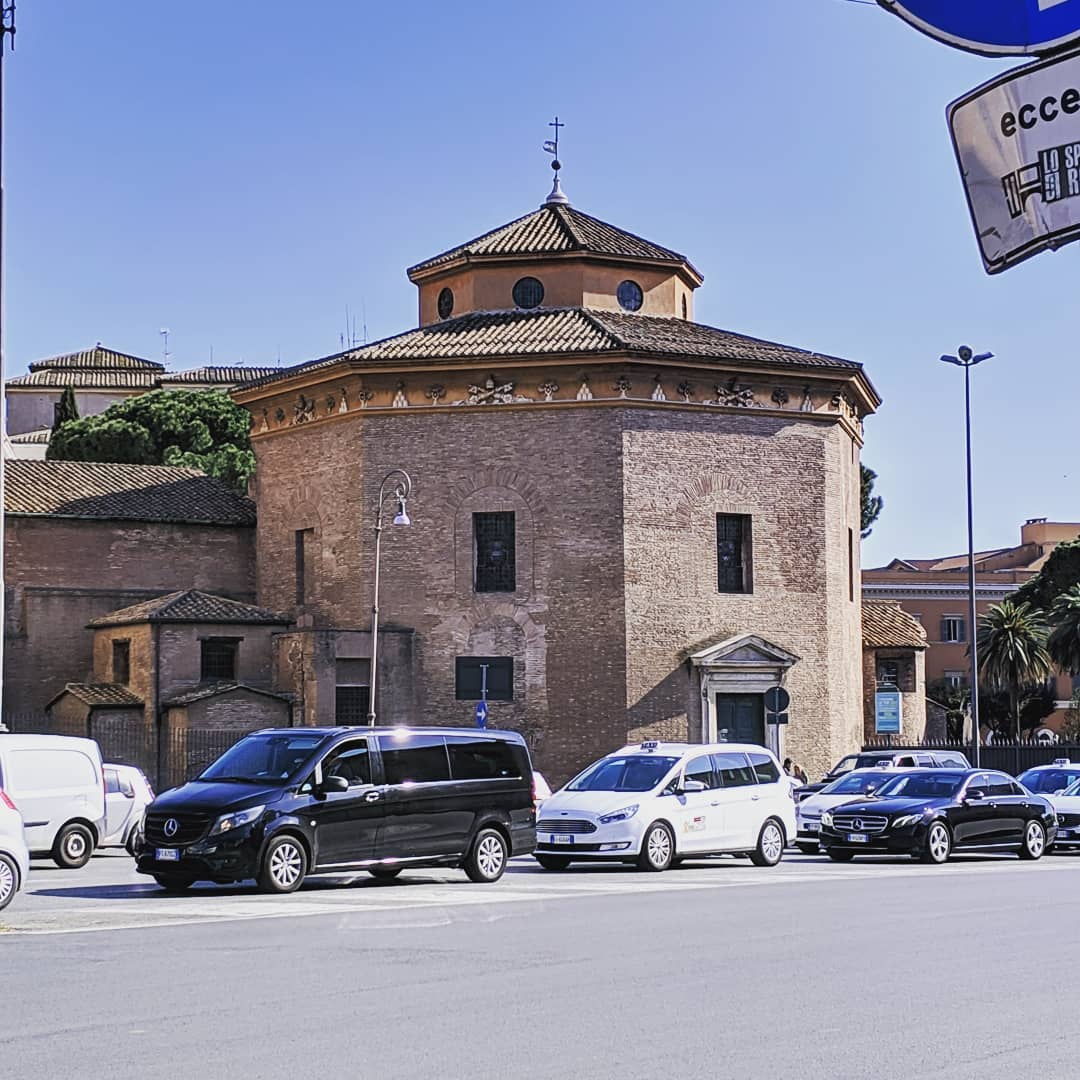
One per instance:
(630,295)
(528,293)
(446,304)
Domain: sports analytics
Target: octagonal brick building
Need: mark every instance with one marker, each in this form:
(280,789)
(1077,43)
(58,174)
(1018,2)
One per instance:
(624,524)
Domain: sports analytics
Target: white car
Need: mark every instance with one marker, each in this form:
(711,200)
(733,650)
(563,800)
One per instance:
(1066,805)
(1047,780)
(659,803)
(14,858)
(857,784)
(127,795)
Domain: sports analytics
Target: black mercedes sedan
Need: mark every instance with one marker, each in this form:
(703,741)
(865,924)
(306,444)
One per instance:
(929,813)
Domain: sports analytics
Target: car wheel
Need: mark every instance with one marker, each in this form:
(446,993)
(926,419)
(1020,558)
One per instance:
(486,860)
(938,844)
(73,847)
(808,849)
(1034,841)
(839,856)
(552,862)
(174,882)
(385,873)
(657,848)
(284,864)
(129,845)
(9,880)
(770,844)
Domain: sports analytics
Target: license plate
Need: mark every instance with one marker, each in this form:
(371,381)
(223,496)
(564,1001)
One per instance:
(857,838)
(811,826)
(562,839)
(167,854)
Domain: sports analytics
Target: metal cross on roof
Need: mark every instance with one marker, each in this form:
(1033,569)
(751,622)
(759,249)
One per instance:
(552,147)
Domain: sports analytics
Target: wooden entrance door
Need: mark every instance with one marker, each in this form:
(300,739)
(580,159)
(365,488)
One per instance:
(740,718)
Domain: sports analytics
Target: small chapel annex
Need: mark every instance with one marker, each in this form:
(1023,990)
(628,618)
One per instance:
(633,523)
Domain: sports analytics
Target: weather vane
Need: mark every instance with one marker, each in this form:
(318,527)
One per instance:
(552,147)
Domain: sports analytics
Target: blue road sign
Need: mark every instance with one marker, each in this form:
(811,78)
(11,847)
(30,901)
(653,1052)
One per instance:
(994,27)
(481,714)
(887,712)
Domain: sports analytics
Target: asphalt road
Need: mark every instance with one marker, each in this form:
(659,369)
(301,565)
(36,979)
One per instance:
(875,969)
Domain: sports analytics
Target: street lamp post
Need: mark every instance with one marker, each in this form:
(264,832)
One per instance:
(402,488)
(966,359)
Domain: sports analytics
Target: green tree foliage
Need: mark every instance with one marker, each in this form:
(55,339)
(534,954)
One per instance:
(65,409)
(1063,644)
(1059,574)
(1012,652)
(195,429)
(871,504)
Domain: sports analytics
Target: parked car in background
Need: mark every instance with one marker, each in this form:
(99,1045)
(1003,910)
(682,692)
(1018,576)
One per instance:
(1050,779)
(929,813)
(859,783)
(658,803)
(898,759)
(285,803)
(58,784)
(127,795)
(14,857)
(541,790)
(1066,805)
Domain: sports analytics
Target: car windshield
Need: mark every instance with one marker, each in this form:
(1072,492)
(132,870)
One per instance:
(265,758)
(857,783)
(1047,781)
(641,772)
(922,785)
(1072,789)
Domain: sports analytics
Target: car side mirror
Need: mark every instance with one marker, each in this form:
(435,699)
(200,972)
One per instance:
(974,796)
(333,783)
(690,786)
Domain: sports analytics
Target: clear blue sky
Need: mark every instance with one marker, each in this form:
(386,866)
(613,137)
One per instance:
(242,171)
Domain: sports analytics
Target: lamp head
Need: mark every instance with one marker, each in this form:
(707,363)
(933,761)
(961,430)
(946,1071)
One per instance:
(401,517)
(964,352)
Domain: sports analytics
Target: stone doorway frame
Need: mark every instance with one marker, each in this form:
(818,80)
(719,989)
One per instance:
(743,664)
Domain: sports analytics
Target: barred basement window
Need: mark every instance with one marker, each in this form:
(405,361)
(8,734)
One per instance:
(733,553)
(219,659)
(351,705)
(494,552)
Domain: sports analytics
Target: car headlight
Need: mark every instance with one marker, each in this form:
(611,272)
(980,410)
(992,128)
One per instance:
(228,822)
(826,818)
(624,814)
(906,820)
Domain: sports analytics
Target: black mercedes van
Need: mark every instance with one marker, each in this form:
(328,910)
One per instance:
(288,802)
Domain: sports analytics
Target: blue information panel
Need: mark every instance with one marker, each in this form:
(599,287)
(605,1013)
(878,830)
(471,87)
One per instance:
(994,27)
(887,712)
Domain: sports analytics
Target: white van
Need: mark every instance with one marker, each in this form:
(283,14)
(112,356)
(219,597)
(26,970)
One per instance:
(58,784)
(659,803)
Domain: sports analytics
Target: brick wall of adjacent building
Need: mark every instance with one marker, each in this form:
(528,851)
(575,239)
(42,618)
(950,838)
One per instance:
(61,573)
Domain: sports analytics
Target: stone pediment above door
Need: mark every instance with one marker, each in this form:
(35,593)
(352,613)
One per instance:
(744,649)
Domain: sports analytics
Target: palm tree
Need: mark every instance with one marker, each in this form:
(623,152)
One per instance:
(1063,644)
(1012,651)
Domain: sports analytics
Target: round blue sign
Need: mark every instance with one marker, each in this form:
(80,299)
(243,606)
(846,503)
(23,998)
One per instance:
(994,27)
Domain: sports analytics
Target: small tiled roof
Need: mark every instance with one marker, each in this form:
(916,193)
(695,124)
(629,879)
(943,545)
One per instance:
(216,689)
(189,606)
(555,229)
(32,438)
(560,331)
(97,490)
(886,625)
(102,694)
(90,379)
(97,357)
(217,376)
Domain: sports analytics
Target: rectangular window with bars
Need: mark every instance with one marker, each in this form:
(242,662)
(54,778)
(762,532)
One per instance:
(733,553)
(219,659)
(494,552)
(121,662)
(351,704)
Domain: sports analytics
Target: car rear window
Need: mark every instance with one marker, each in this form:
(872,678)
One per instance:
(765,768)
(481,759)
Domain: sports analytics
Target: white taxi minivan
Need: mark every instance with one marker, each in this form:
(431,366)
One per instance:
(659,803)
(58,784)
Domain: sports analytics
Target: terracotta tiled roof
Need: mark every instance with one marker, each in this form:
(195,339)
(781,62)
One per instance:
(96,490)
(99,379)
(217,689)
(555,229)
(217,376)
(103,694)
(97,357)
(32,438)
(188,606)
(559,331)
(886,625)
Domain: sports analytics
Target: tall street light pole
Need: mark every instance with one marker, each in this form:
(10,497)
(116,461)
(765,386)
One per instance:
(966,359)
(402,488)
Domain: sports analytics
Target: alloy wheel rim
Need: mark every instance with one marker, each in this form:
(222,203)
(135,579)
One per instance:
(489,856)
(75,845)
(939,843)
(772,843)
(285,864)
(7,882)
(1034,839)
(659,846)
